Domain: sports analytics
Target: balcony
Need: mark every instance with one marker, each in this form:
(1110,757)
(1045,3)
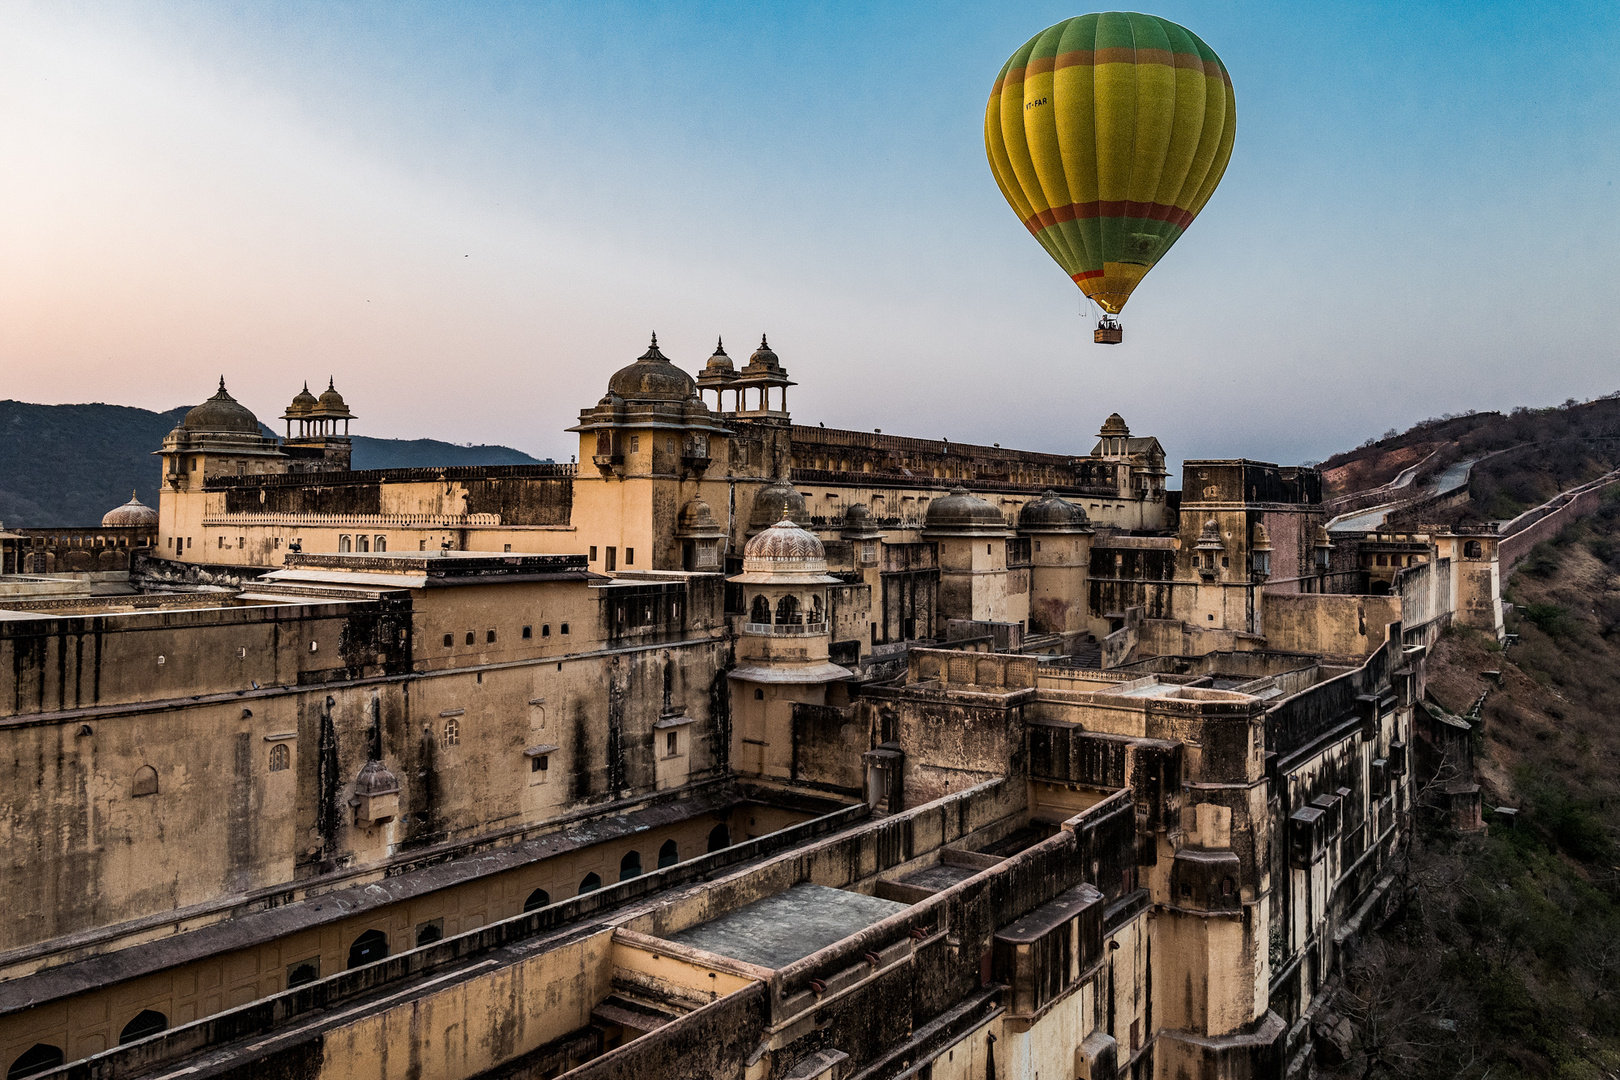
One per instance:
(609,463)
(765,629)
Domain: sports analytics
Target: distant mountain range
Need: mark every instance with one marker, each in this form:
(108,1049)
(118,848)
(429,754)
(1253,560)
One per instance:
(70,464)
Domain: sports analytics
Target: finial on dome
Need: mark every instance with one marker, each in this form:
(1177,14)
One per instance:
(655,339)
(763,343)
(719,346)
(222,384)
(132,495)
(306,386)
(329,383)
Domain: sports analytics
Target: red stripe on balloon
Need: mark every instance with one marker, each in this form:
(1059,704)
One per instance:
(1104,208)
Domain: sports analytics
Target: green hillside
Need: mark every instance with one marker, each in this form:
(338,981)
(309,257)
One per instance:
(69,464)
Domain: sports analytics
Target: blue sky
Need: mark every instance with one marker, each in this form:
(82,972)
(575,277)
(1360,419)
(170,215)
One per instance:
(471,214)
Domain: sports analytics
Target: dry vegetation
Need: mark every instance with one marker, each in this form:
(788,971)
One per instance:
(1504,959)
(1564,446)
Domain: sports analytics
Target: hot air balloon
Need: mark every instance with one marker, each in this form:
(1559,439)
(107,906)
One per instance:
(1107,135)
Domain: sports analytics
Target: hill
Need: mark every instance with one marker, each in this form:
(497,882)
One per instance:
(1525,457)
(1503,959)
(69,464)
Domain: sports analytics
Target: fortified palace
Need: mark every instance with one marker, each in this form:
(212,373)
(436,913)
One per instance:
(742,749)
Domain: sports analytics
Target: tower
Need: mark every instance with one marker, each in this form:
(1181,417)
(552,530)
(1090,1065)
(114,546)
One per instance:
(645,449)
(1060,538)
(782,650)
(322,442)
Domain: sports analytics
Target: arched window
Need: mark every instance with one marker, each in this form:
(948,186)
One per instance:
(591,883)
(280,757)
(761,612)
(343,542)
(368,948)
(537,899)
(305,971)
(720,837)
(429,932)
(381,544)
(787,609)
(146,781)
(146,1022)
(1472,550)
(362,543)
(35,1059)
(452,732)
(630,866)
(815,607)
(669,854)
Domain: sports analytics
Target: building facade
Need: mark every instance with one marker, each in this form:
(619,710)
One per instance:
(743,748)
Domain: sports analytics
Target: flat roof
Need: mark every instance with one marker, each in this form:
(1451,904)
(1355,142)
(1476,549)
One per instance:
(776,931)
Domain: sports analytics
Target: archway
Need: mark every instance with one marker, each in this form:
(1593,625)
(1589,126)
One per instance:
(787,609)
(630,866)
(35,1059)
(537,899)
(761,611)
(369,947)
(669,854)
(146,1022)
(591,883)
(720,837)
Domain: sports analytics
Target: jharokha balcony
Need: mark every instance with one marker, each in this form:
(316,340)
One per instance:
(808,629)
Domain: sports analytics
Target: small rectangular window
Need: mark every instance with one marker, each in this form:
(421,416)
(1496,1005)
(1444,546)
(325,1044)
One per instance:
(489,637)
(545,630)
(507,547)
(449,640)
(612,558)
(593,553)
(635,444)
(565,628)
(528,632)
(629,556)
(540,764)
(222,541)
(471,637)
(188,541)
(241,541)
(672,743)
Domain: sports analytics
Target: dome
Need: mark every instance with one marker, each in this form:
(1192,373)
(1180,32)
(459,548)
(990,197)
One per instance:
(763,357)
(1210,538)
(375,779)
(1114,427)
(719,363)
(331,401)
(302,404)
(221,413)
(652,378)
(960,510)
(785,548)
(133,512)
(697,519)
(859,524)
(775,501)
(1052,513)
(1262,538)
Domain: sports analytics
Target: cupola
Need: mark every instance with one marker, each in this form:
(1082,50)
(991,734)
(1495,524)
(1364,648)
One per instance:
(132,514)
(1052,513)
(651,378)
(775,501)
(963,513)
(221,413)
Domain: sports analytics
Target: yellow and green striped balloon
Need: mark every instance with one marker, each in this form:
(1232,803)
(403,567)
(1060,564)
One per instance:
(1107,134)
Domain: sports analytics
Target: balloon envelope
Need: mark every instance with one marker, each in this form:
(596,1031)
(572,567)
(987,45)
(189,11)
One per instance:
(1107,134)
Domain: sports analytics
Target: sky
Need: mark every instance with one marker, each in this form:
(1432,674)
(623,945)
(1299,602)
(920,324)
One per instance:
(471,214)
